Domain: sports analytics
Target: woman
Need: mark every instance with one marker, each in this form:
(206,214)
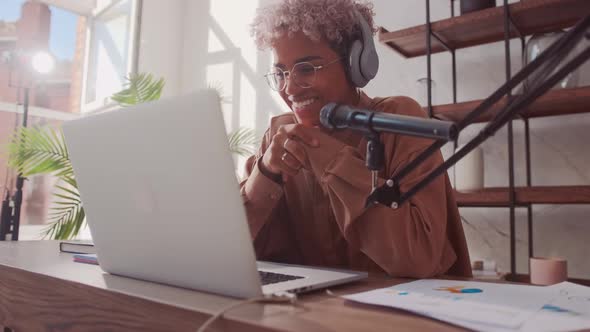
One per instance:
(306,188)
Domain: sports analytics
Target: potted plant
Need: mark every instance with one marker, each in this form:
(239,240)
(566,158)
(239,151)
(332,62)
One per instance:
(38,150)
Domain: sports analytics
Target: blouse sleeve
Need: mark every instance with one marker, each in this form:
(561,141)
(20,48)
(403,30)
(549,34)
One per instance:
(405,242)
(266,210)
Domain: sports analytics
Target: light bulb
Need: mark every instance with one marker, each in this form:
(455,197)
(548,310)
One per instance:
(42,62)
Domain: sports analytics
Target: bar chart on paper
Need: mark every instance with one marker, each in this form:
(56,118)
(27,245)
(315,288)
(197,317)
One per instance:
(499,305)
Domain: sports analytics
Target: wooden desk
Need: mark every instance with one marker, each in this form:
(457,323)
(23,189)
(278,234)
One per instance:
(42,289)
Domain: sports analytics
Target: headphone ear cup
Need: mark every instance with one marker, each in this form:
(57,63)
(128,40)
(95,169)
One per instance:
(366,62)
(369,63)
(356,76)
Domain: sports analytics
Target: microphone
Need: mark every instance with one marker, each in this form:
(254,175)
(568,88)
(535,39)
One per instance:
(335,116)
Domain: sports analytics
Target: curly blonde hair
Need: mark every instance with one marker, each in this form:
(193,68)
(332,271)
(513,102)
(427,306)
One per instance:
(331,20)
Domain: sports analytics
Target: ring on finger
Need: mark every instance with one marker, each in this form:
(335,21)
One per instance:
(284,156)
(285,143)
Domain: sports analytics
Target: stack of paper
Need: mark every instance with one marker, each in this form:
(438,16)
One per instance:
(488,306)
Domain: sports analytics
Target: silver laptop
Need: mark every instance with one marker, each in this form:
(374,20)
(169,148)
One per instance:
(163,204)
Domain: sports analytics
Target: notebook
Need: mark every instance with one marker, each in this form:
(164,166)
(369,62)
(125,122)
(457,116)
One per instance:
(77,247)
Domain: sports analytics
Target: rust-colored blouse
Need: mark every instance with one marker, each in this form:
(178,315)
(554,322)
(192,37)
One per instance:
(318,217)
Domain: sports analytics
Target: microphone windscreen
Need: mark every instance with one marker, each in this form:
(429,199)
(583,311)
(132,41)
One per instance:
(326,113)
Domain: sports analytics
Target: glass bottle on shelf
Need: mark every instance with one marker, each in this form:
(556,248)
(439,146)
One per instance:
(536,45)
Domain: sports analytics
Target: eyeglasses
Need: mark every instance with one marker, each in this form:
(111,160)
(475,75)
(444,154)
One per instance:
(303,74)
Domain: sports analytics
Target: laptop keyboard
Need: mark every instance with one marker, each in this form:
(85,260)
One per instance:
(268,278)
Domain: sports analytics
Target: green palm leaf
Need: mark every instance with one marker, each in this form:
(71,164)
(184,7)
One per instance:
(67,216)
(242,141)
(139,88)
(38,150)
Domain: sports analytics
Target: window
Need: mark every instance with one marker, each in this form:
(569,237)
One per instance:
(112,49)
(93,43)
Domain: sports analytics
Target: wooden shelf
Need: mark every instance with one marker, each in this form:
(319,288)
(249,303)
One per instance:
(487,26)
(554,102)
(490,197)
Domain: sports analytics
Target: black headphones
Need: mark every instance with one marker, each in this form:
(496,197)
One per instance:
(363,59)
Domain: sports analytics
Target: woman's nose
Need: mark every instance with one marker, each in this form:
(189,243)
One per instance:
(291,88)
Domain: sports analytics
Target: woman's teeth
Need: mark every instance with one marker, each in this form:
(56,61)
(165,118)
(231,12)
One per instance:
(303,103)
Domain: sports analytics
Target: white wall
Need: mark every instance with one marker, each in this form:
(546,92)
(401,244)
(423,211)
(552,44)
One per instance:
(194,53)
(215,49)
(220,53)
(195,44)
(161,41)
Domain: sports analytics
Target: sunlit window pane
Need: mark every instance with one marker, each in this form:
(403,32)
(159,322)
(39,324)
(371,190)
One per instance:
(108,59)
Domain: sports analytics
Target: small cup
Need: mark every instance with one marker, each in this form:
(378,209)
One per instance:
(547,270)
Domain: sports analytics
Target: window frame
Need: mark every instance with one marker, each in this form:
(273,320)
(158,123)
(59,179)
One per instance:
(105,103)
